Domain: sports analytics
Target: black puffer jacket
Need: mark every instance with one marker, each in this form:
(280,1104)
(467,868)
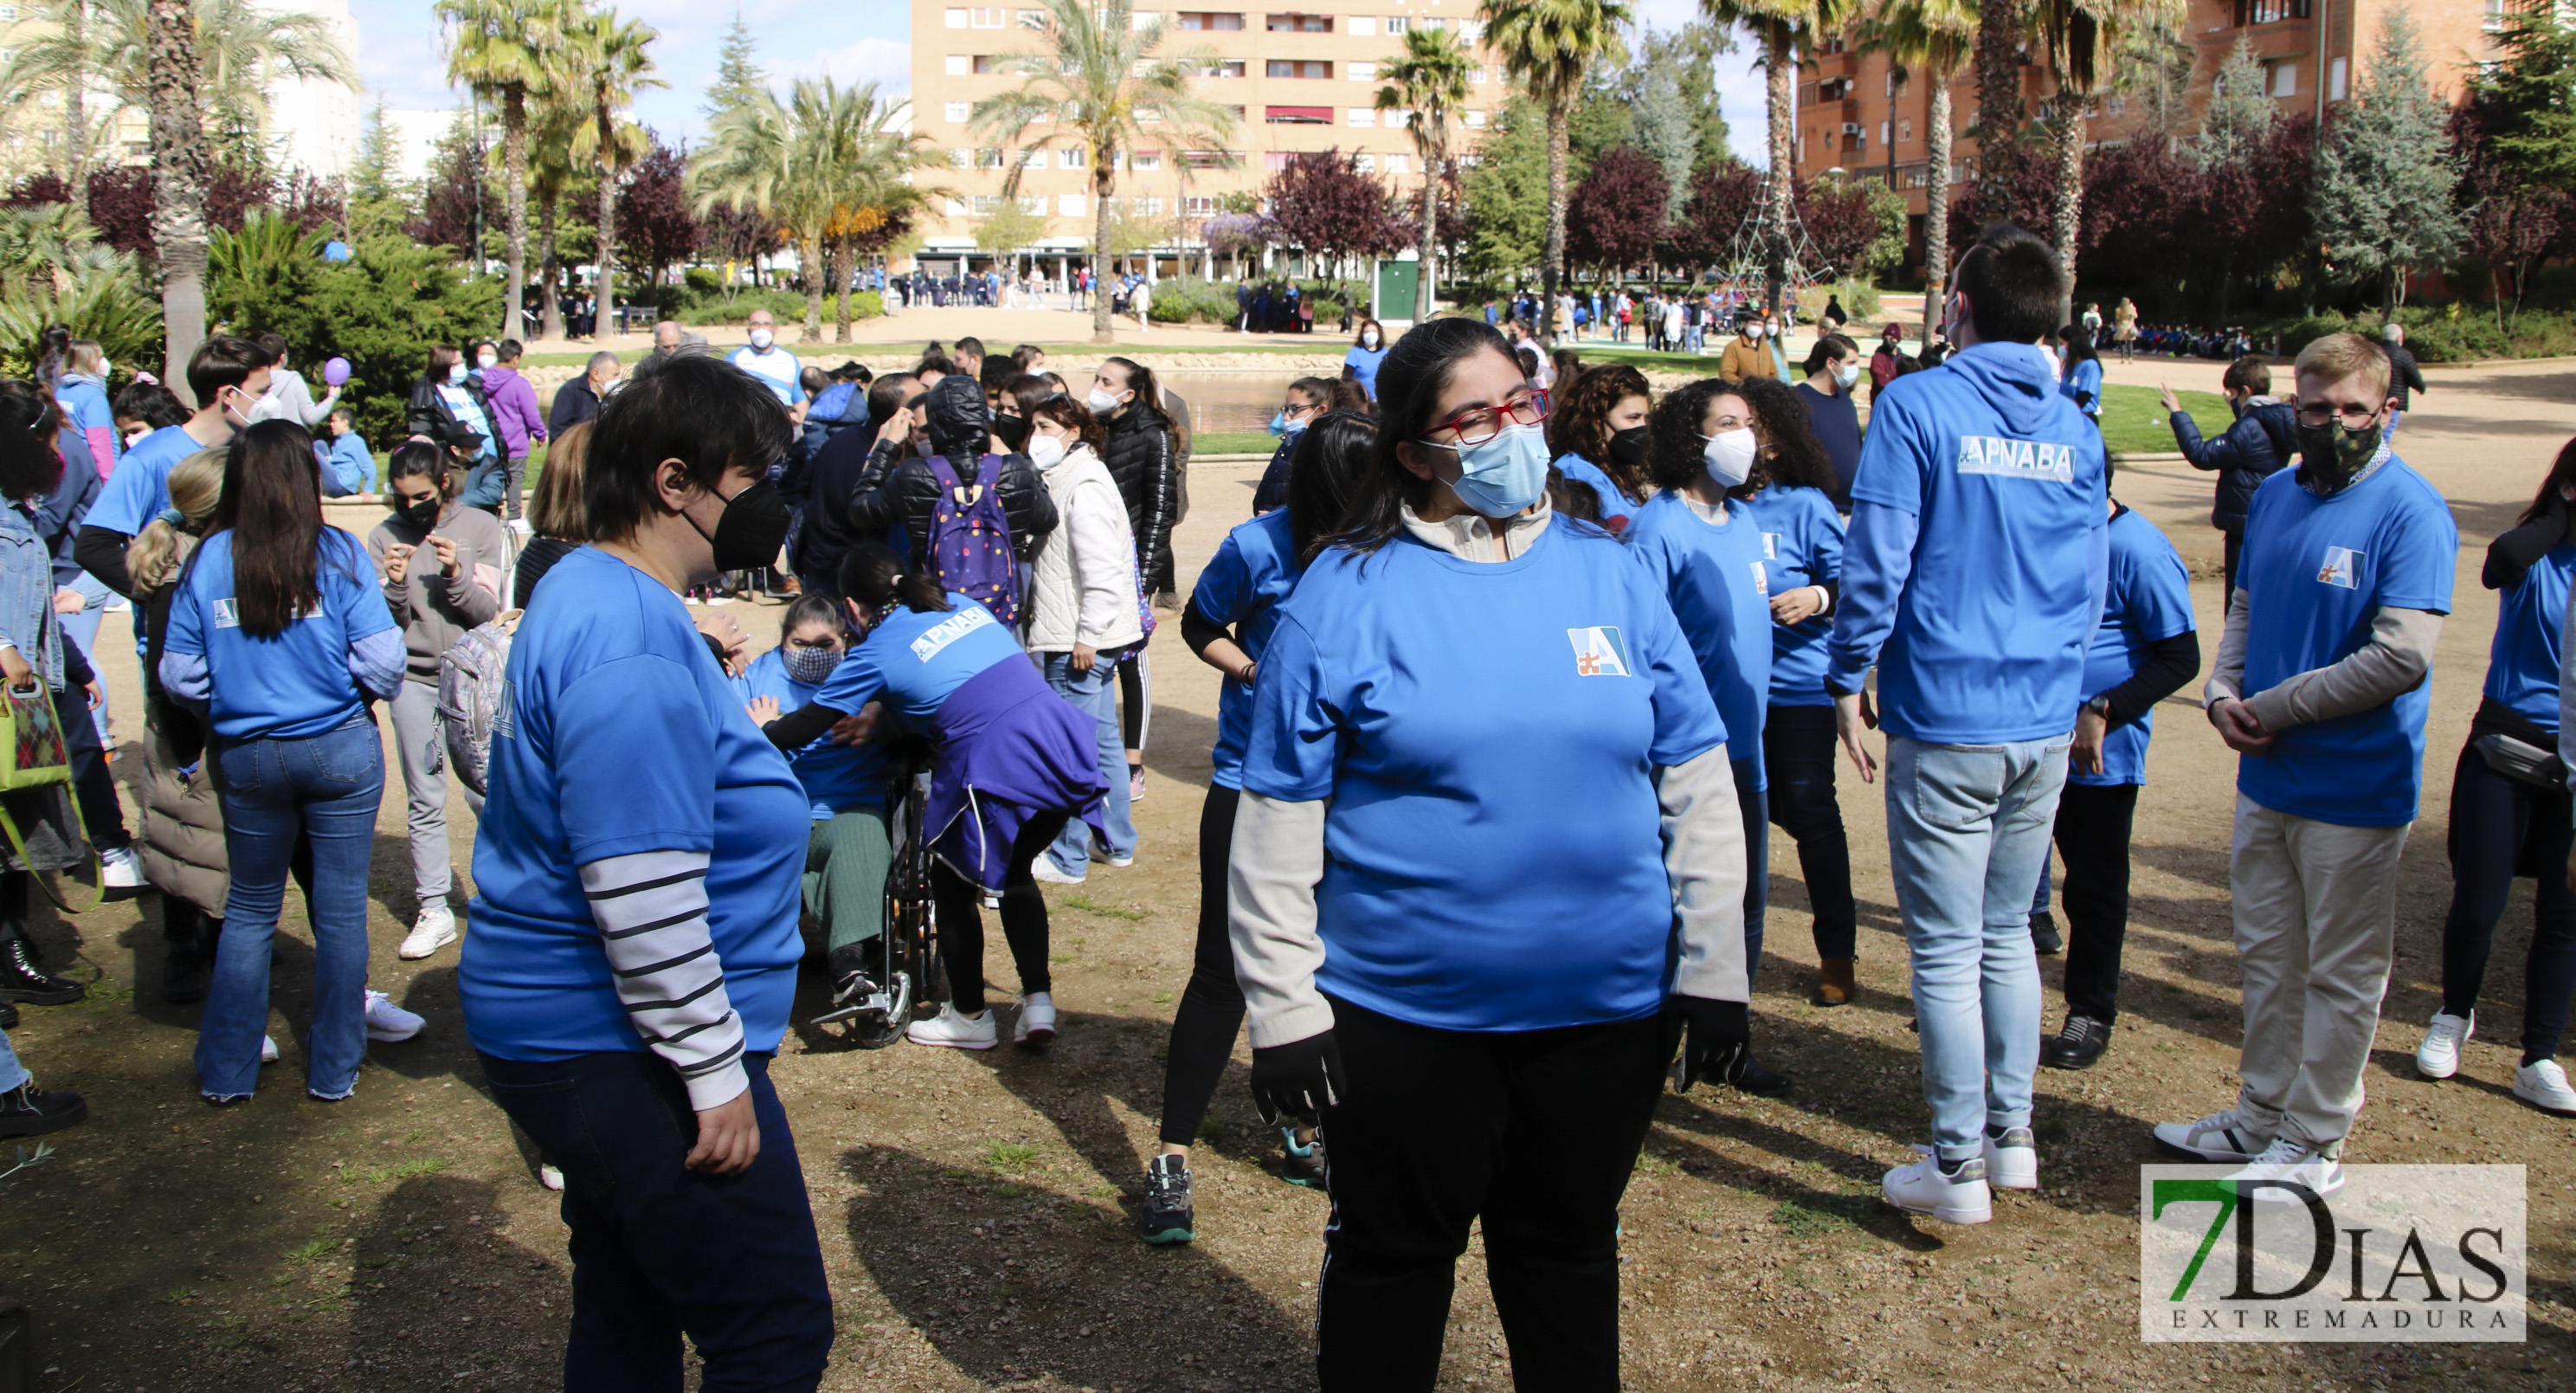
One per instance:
(960,425)
(1142,460)
(2262,440)
(428,415)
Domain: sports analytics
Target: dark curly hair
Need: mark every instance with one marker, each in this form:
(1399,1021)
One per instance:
(1579,424)
(1790,453)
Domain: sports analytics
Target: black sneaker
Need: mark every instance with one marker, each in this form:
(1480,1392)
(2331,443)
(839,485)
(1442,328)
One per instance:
(24,980)
(1301,1165)
(2044,936)
(1759,1079)
(851,984)
(2076,1046)
(8,1015)
(24,1112)
(1167,1218)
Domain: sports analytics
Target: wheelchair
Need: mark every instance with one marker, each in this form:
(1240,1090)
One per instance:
(905,969)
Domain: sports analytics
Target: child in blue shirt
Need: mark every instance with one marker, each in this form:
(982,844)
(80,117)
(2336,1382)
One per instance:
(349,467)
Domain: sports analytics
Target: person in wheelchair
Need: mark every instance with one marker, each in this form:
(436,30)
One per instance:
(844,776)
(1013,763)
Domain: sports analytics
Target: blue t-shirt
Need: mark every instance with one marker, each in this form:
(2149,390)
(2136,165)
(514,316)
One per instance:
(1616,507)
(1363,363)
(1254,569)
(1488,734)
(2083,386)
(915,658)
(140,488)
(286,686)
(2319,570)
(837,778)
(1720,590)
(619,734)
(2522,664)
(1802,541)
(2147,600)
(1836,421)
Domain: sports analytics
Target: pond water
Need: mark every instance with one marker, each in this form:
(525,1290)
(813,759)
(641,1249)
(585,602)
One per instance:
(1230,401)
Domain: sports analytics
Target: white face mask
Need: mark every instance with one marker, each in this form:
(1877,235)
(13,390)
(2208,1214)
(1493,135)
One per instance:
(104,368)
(485,361)
(1046,451)
(1369,339)
(1753,331)
(1847,374)
(1729,456)
(1101,400)
(761,339)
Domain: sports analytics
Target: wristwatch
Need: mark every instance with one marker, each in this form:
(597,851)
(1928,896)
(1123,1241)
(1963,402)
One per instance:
(2100,706)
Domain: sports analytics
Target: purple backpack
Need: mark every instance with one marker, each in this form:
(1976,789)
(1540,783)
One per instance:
(970,540)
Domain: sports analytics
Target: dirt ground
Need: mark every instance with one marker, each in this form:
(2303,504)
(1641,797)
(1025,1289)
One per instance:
(976,1210)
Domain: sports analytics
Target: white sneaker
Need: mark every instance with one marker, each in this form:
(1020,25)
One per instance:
(2222,1137)
(388,1022)
(1960,1197)
(1100,852)
(975,1032)
(2292,1161)
(1045,872)
(268,1049)
(2439,1056)
(121,869)
(2012,1160)
(1136,785)
(2544,1086)
(550,1176)
(433,930)
(1037,1019)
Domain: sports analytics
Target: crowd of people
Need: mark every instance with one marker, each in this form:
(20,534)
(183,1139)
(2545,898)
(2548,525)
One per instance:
(1521,661)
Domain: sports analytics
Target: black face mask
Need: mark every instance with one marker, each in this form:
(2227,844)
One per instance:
(1628,448)
(751,530)
(1013,431)
(422,514)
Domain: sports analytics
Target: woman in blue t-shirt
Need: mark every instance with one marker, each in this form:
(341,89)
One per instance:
(1227,624)
(279,637)
(1368,350)
(847,852)
(1596,428)
(1015,762)
(2080,379)
(631,960)
(1491,718)
(2509,805)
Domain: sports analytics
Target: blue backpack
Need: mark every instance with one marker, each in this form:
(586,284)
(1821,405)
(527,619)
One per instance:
(970,541)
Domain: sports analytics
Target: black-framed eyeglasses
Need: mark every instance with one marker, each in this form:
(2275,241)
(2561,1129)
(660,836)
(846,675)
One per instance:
(1478,424)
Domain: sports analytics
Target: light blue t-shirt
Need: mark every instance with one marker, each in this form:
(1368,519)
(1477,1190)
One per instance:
(140,488)
(469,413)
(1254,569)
(1488,733)
(2083,386)
(1364,363)
(2522,664)
(838,778)
(915,658)
(1720,589)
(619,734)
(1802,542)
(1616,507)
(285,686)
(777,370)
(2147,600)
(2318,571)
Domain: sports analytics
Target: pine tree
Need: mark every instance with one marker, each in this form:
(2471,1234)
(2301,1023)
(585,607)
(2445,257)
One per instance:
(2382,198)
(375,176)
(739,80)
(2240,111)
(1664,133)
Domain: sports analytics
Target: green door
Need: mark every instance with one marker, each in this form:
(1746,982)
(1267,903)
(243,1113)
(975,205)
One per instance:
(1398,282)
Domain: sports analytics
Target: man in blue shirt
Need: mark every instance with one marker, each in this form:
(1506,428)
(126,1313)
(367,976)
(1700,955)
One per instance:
(2322,685)
(228,376)
(1972,576)
(776,368)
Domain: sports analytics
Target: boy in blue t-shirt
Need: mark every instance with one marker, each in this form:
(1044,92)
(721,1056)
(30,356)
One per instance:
(2322,686)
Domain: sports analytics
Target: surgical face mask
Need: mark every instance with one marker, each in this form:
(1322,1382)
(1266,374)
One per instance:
(104,368)
(248,403)
(1047,451)
(456,373)
(761,339)
(1369,339)
(1101,400)
(1753,331)
(1729,456)
(1505,474)
(1847,374)
(2333,453)
(486,361)
(811,665)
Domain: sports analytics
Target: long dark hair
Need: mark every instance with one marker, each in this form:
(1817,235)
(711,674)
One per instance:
(272,504)
(2561,474)
(2078,343)
(1791,453)
(30,464)
(874,576)
(1580,424)
(1409,384)
(1324,475)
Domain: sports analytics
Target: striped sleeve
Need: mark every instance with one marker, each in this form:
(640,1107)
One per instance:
(651,908)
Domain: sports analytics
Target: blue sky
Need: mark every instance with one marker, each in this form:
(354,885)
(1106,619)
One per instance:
(398,53)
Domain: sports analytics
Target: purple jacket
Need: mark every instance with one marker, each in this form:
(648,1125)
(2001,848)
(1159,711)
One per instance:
(514,410)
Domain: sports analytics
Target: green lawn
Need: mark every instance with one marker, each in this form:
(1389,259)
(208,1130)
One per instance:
(2134,422)
(1233,442)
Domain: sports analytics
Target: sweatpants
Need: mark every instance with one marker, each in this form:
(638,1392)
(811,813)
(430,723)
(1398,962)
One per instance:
(1136,696)
(1531,1134)
(2316,920)
(846,859)
(1211,1010)
(517,473)
(2501,828)
(421,740)
(1024,919)
(1799,748)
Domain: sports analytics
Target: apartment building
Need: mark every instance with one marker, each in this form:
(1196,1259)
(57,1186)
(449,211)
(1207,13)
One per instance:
(1856,117)
(1293,80)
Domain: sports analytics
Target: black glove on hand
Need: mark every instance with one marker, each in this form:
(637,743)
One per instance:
(1300,1078)
(1720,1040)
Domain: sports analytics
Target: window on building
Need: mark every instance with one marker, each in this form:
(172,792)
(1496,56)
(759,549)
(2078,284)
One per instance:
(986,203)
(1474,120)
(2497,13)
(1398,118)
(1361,116)
(1886,132)
(1833,43)
(1143,19)
(2118,105)
(1364,26)
(956,207)
(2281,79)
(1221,67)
(1434,23)
(1276,160)
(1201,206)
(1471,30)
(1363,72)
(1905,130)
(1298,24)
(1298,67)
(1149,207)
(1146,160)
(2269,11)
(991,17)
(8,14)
(1033,159)
(1396,25)
(957,18)
(1399,164)
(1297,115)
(2336,78)
(1072,157)
(1364,163)
(1476,75)
(1210,20)
(988,159)
(1068,205)
(958,65)
(987,63)
(1209,159)
(961,157)
(959,111)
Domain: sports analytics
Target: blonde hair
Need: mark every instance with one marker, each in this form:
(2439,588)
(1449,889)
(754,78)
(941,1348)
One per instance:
(554,506)
(2338,356)
(86,356)
(196,486)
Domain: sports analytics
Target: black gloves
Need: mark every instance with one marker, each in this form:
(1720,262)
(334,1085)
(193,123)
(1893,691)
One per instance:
(1719,1042)
(1300,1078)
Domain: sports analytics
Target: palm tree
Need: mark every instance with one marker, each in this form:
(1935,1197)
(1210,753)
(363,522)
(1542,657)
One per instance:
(610,60)
(1551,45)
(1784,27)
(2002,26)
(553,122)
(2081,38)
(239,48)
(1094,86)
(508,50)
(1430,82)
(178,186)
(1934,38)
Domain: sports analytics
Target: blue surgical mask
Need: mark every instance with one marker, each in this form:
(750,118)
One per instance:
(1505,474)
(456,373)
(1279,423)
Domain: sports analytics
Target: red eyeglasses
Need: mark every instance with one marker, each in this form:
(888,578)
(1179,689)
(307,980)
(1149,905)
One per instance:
(1478,424)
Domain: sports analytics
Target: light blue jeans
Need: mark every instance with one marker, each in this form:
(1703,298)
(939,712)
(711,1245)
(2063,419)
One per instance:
(1967,829)
(12,1073)
(1095,694)
(82,629)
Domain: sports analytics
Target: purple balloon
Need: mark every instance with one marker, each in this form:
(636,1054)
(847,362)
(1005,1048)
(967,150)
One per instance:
(336,371)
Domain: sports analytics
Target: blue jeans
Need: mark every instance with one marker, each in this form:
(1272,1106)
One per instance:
(324,789)
(1755,805)
(82,629)
(1967,829)
(1095,694)
(12,1073)
(658,1250)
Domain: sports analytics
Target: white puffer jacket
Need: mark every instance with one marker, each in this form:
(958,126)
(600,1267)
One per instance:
(1084,587)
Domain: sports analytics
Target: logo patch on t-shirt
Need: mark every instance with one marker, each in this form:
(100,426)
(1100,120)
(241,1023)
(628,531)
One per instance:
(2342,567)
(227,614)
(949,630)
(1761,578)
(2021,459)
(1598,651)
(1770,546)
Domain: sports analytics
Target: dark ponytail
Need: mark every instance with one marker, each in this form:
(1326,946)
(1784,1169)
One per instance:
(874,576)
(1324,474)
(53,355)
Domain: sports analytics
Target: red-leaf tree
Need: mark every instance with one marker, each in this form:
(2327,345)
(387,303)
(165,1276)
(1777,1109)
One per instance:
(120,207)
(655,228)
(1840,223)
(1722,197)
(1323,203)
(1616,212)
(2514,224)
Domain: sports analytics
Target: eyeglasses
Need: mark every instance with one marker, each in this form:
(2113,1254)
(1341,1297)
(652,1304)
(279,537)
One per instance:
(1478,424)
(2354,415)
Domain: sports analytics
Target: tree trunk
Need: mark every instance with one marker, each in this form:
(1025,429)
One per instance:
(1427,294)
(1936,204)
(179,186)
(1999,35)
(1103,185)
(554,318)
(1560,118)
(607,255)
(2067,214)
(809,268)
(845,269)
(1780,78)
(514,162)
